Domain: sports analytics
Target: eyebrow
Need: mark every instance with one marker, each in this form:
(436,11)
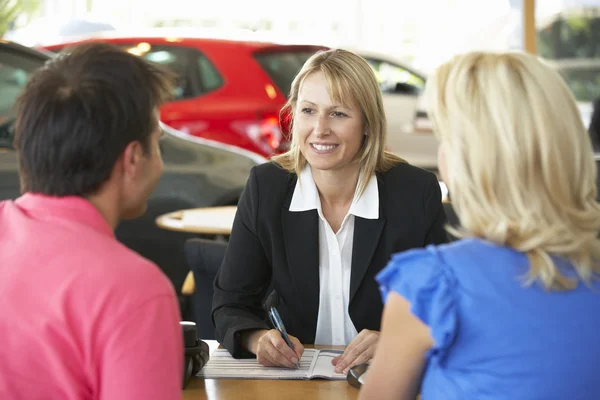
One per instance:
(330,108)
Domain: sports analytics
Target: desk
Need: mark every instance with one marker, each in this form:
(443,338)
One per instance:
(225,389)
(208,220)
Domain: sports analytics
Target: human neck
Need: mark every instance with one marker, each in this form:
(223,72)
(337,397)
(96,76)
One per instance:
(107,204)
(337,187)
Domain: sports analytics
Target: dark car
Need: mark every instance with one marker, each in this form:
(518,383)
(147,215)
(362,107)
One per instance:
(197,172)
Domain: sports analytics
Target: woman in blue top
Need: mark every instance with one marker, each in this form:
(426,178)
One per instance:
(511,311)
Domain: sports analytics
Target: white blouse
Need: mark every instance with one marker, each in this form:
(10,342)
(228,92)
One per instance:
(334,326)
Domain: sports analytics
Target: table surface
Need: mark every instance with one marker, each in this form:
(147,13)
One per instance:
(206,220)
(225,389)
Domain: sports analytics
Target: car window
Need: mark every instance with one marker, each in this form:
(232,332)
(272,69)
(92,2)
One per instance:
(15,69)
(282,67)
(209,77)
(389,75)
(173,58)
(196,75)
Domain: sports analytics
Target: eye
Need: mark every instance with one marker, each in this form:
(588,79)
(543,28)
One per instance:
(338,114)
(307,110)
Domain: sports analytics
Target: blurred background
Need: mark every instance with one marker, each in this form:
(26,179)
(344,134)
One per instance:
(403,40)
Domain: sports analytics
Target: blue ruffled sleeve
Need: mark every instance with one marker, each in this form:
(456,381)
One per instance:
(421,277)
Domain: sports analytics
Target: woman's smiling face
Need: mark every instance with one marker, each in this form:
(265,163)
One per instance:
(330,135)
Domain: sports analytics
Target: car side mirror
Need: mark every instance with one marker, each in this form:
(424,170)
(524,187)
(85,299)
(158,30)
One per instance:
(406,89)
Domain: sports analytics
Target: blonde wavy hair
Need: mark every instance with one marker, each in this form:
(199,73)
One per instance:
(520,165)
(350,80)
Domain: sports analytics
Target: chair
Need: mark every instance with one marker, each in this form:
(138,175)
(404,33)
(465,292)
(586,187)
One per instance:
(204,257)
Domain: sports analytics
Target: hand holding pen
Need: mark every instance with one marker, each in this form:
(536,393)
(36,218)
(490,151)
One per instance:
(278,324)
(272,350)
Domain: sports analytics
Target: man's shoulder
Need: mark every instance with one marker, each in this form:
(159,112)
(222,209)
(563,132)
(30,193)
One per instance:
(7,206)
(123,283)
(117,266)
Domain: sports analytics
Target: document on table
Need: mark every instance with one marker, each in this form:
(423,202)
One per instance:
(313,364)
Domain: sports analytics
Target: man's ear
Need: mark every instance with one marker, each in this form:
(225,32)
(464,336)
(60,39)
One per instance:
(131,159)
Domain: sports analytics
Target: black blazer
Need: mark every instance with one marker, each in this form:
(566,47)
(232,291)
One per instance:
(271,246)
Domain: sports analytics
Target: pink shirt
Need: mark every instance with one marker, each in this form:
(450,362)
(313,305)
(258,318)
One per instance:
(81,315)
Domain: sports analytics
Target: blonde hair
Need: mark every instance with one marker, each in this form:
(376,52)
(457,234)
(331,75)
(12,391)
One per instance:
(350,80)
(521,167)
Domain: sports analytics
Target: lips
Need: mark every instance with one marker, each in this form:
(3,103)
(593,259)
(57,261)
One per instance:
(324,147)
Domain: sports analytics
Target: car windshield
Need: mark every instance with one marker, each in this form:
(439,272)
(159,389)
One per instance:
(282,67)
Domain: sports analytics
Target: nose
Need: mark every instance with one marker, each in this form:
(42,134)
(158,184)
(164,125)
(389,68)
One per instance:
(321,127)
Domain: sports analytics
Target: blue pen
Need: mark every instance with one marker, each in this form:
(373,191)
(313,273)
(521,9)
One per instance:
(278,324)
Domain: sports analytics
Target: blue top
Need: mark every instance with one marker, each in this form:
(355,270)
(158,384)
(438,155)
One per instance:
(494,337)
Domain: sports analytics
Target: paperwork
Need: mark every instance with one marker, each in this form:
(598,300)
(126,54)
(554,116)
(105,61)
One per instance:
(313,364)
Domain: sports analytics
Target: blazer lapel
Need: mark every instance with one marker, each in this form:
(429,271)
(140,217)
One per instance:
(301,239)
(366,238)
(367,233)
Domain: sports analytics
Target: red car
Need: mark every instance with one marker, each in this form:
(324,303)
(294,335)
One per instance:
(230,91)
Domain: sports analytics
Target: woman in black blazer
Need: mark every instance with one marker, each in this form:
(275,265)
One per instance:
(318,241)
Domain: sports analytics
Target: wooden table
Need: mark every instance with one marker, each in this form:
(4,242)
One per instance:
(225,389)
(207,220)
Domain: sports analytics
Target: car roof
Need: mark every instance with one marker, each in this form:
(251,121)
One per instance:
(189,36)
(387,58)
(6,44)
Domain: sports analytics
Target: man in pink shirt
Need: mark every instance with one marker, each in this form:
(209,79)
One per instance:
(81,315)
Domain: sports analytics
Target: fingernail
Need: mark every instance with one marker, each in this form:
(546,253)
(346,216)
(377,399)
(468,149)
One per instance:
(346,371)
(294,360)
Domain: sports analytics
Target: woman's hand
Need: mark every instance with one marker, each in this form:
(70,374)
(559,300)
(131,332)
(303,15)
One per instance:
(272,351)
(359,351)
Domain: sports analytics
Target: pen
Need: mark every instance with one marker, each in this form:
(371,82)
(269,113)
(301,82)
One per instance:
(278,324)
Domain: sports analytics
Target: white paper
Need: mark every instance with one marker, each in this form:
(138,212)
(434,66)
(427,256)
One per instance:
(313,364)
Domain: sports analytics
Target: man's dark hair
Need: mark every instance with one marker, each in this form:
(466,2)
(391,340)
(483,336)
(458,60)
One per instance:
(77,114)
